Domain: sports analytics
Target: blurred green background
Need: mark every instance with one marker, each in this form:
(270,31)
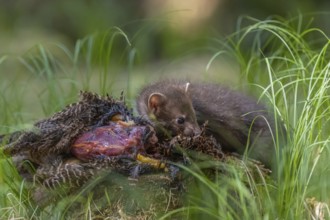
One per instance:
(159,39)
(152,23)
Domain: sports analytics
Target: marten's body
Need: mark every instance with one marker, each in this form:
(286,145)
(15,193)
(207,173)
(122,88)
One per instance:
(235,120)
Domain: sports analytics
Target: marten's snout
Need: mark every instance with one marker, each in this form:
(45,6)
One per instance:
(191,130)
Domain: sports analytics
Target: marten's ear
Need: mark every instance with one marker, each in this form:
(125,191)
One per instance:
(155,101)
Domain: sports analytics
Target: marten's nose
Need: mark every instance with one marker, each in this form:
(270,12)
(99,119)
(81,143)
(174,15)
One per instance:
(192,130)
(197,131)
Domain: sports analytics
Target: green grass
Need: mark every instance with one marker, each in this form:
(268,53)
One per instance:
(284,62)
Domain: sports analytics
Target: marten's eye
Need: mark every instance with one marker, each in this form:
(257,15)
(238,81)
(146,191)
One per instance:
(180,120)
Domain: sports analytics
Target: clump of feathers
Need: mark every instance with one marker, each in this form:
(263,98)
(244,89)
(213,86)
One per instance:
(55,135)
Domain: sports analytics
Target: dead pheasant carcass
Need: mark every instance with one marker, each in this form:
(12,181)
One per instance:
(92,135)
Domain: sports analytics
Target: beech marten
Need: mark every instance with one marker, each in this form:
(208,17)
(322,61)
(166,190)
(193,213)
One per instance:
(237,121)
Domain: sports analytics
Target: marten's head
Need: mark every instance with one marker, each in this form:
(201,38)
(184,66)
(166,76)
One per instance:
(173,110)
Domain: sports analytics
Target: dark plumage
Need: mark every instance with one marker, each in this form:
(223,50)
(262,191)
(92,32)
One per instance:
(55,135)
(47,146)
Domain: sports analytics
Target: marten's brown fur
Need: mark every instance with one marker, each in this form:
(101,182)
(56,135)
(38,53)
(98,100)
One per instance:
(237,121)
